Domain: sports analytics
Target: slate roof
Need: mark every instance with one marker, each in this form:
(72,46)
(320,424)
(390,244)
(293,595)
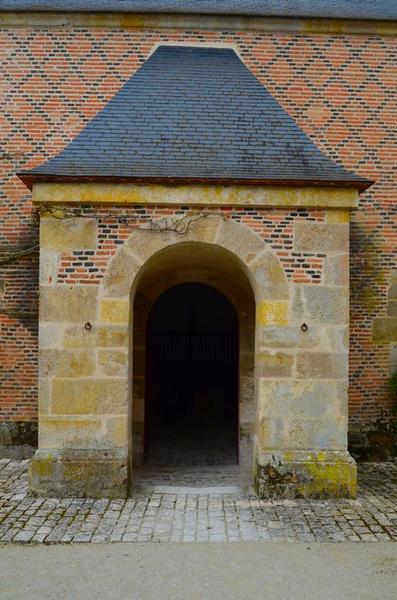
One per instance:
(194,114)
(348,9)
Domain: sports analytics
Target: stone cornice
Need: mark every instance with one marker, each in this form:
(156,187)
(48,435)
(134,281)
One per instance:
(201,22)
(195,195)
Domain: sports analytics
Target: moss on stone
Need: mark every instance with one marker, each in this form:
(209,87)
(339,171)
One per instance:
(320,474)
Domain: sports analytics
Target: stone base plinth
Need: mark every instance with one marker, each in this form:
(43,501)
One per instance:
(79,473)
(301,474)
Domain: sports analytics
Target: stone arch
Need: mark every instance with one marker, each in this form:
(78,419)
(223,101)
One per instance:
(257,259)
(238,247)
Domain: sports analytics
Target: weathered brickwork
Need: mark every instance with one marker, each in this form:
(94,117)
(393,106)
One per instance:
(341,91)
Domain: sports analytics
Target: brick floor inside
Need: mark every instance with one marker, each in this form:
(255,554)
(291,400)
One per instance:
(190,517)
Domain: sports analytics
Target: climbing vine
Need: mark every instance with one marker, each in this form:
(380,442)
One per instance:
(177,224)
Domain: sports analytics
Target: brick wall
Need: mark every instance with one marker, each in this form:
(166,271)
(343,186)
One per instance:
(341,91)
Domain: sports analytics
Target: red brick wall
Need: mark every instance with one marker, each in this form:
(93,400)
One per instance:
(340,89)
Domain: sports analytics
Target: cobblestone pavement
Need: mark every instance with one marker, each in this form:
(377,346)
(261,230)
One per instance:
(192,517)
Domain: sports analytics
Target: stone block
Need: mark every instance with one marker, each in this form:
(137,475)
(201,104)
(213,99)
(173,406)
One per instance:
(392,292)
(384,329)
(50,335)
(202,230)
(114,311)
(298,307)
(73,433)
(272,313)
(275,336)
(116,431)
(49,262)
(113,337)
(269,276)
(89,473)
(68,303)
(393,354)
(393,357)
(77,336)
(121,273)
(270,432)
(66,363)
(89,396)
(307,399)
(113,362)
(274,364)
(321,433)
(247,389)
(392,308)
(68,234)
(240,240)
(247,413)
(342,395)
(109,336)
(336,270)
(321,237)
(44,396)
(305,474)
(144,243)
(326,305)
(322,365)
(337,338)
(337,215)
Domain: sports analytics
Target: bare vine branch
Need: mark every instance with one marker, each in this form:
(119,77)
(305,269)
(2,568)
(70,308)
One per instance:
(177,224)
(180,226)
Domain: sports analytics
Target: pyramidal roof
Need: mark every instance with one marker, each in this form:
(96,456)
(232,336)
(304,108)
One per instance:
(193,114)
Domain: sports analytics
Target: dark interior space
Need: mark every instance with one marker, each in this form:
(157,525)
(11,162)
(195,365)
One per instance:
(192,378)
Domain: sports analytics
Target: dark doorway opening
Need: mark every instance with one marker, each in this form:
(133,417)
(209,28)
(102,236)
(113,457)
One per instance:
(191,404)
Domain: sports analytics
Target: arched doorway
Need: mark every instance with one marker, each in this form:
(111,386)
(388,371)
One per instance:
(174,276)
(192,373)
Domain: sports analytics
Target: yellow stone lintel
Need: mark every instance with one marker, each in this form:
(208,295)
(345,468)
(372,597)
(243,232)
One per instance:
(195,195)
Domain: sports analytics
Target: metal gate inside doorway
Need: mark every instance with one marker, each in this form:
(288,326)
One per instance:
(191,408)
